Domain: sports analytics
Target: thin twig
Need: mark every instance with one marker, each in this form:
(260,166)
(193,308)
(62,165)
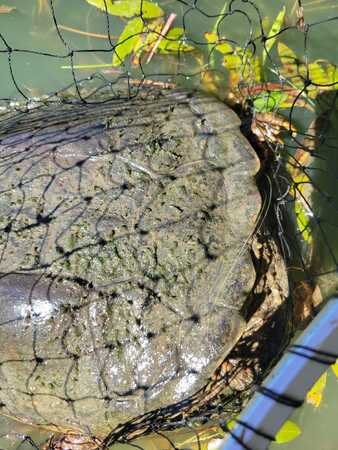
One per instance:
(84,33)
(163,32)
(42,6)
(4,9)
(162,84)
(317,8)
(314,2)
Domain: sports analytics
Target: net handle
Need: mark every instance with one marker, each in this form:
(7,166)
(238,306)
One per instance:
(286,387)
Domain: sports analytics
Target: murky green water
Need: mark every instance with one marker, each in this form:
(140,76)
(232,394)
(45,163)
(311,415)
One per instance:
(31,27)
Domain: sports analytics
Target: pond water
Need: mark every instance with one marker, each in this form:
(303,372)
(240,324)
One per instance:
(40,63)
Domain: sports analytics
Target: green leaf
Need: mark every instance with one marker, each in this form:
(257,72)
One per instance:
(129,8)
(128,40)
(273,33)
(268,101)
(287,433)
(301,191)
(172,42)
(303,225)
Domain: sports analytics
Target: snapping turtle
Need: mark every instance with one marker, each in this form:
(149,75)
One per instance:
(124,260)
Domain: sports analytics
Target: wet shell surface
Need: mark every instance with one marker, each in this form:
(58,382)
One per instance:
(124,255)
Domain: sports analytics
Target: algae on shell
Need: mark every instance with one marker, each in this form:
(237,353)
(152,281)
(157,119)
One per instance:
(124,255)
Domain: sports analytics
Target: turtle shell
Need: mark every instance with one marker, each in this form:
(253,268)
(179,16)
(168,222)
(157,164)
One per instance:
(124,255)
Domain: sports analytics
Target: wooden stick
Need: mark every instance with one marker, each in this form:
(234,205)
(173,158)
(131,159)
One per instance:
(163,32)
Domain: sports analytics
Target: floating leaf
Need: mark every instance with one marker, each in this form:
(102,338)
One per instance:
(334,367)
(315,394)
(129,8)
(128,40)
(275,29)
(173,42)
(211,37)
(223,47)
(288,432)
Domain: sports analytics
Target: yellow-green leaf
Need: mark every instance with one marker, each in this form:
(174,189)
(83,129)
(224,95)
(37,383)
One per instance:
(315,394)
(334,367)
(129,8)
(266,23)
(288,432)
(173,42)
(232,62)
(301,190)
(128,40)
(223,47)
(151,33)
(243,66)
(303,222)
(286,54)
(211,37)
(231,423)
(289,61)
(275,29)
(332,72)
(316,73)
(257,70)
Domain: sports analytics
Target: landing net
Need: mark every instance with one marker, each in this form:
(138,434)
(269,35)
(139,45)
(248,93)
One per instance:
(68,69)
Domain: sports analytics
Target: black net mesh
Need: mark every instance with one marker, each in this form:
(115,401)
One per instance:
(145,289)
